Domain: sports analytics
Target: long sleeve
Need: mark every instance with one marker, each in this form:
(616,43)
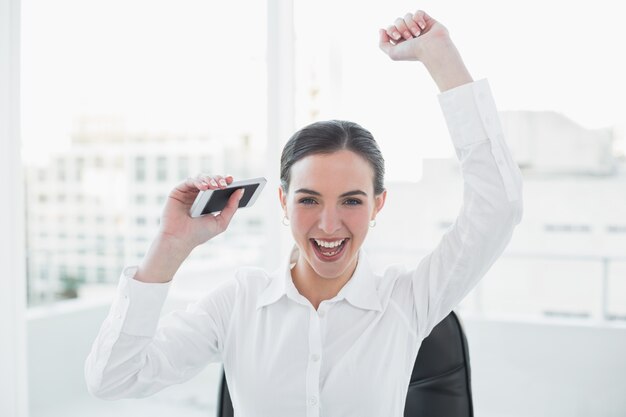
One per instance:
(492,206)
(135,356)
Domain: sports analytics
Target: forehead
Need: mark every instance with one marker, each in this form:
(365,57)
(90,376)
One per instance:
(335,172)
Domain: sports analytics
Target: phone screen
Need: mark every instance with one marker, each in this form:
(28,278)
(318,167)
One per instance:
(219,198)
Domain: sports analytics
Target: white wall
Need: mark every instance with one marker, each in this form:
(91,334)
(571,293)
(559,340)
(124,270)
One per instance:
(524,369)
(59,339)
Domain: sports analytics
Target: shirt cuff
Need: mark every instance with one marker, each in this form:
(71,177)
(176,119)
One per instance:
(472,117)
(137,306)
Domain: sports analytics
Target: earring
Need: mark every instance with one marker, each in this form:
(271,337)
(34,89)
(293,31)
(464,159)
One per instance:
(285,221)
(373,223)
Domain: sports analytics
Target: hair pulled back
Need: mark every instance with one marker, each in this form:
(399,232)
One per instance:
(330,136)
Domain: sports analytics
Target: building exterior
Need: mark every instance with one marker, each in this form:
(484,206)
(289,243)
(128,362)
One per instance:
(567,257)
(95,208)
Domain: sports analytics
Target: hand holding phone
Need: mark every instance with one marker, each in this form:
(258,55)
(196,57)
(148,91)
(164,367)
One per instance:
(213,201)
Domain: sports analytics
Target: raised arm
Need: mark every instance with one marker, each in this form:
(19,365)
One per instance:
(492,182)
(419,37)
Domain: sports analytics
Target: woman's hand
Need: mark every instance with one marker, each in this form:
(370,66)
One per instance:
(419,37)
(188,232)
(179,233)
(411,37)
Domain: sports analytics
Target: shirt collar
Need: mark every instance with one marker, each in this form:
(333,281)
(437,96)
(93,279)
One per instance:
(359,291)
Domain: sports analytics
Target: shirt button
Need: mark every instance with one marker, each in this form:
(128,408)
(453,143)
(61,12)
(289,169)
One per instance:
(313,401)
(315,357)
(322,313)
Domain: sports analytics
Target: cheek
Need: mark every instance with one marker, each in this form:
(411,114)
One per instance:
(301,220)
(357,220)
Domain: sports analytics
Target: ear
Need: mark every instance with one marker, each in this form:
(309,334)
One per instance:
(379,203)
(282,197)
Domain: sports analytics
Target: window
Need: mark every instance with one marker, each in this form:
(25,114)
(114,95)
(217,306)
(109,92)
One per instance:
(160,199)
(568,228)
(572,164)
(60,169)
(80,168)
(161,169)
(140,169)
(130,113)
(102,105)
(616,228)
(183,166)
(101,274)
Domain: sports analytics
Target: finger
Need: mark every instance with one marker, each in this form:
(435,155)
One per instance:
(221,182)
(229,179)
(214,181)
(420,17)
(208,180)
(403,29)
(229,210)
(384,41)
(193,184)
(393,33)
(412,24)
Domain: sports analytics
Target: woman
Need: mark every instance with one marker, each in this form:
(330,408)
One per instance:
(323,334)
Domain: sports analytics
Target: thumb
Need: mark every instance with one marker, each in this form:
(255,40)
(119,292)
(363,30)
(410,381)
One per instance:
(229,210)
(384,41)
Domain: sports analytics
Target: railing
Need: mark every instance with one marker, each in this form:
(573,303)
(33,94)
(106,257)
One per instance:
(605,261)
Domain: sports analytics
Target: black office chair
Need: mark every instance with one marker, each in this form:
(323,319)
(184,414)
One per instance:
(440,383)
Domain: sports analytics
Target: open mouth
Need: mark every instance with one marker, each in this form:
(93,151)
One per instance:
(329,251)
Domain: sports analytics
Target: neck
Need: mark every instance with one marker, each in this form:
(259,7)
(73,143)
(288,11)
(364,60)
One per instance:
(316,288)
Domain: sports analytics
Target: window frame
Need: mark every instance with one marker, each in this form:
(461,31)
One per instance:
(13,383)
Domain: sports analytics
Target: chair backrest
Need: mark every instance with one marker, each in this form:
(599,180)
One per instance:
(440,383)
(441,380)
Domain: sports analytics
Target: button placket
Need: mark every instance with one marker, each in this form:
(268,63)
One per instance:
(314,364)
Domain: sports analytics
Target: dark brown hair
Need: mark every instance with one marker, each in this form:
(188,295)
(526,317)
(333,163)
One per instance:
(331,136)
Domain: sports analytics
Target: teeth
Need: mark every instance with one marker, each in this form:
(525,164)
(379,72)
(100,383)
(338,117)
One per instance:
(329,244)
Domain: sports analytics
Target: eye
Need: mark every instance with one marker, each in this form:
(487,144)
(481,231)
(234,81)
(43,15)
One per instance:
(307,201)
(353,202)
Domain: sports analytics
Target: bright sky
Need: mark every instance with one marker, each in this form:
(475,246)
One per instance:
(175,66)
(538,55)
(199,65)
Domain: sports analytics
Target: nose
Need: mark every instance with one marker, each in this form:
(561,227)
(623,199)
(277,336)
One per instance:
(330,221)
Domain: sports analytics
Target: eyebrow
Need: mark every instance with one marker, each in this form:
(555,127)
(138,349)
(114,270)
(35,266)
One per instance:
(353,192)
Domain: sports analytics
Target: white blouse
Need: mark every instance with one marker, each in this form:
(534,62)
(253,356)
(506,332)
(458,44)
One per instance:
(355,354)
